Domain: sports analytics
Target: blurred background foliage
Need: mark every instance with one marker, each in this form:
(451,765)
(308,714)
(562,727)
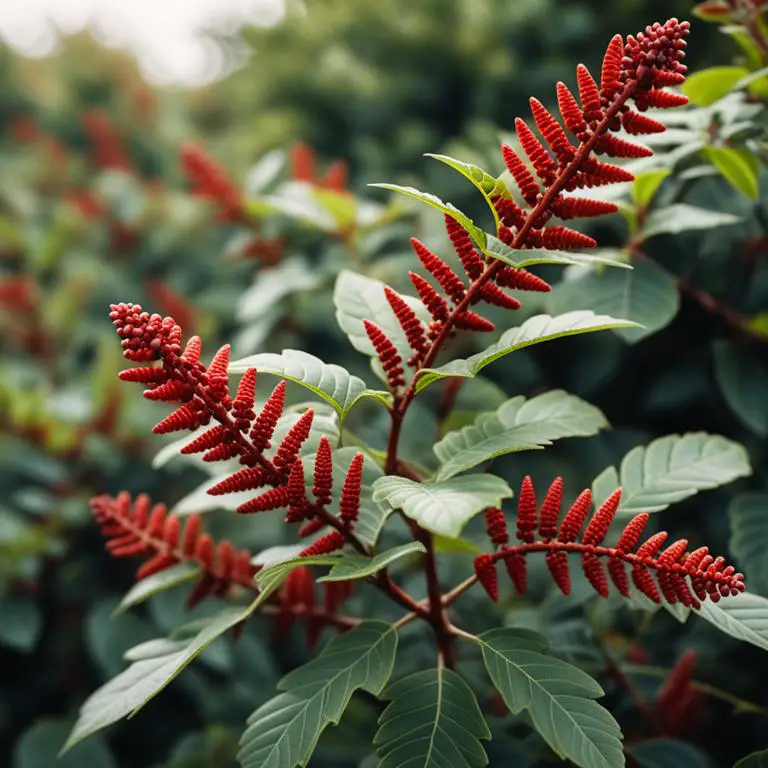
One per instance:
(94,208)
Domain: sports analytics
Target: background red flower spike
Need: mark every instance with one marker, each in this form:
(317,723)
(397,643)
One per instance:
(485,569)
(326,544)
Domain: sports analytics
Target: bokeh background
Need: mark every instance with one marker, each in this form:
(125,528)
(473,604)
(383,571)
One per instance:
(97,100)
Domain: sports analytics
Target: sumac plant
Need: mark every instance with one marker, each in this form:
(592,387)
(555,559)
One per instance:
(378,523)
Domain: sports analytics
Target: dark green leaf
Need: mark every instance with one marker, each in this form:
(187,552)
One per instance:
(749,537)
(743,379)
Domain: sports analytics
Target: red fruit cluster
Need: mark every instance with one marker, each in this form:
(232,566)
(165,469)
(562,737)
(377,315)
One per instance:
(210,180)
(108,149)
(681,576)
(137,527)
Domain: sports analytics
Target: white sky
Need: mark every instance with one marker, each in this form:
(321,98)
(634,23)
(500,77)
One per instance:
(167,36)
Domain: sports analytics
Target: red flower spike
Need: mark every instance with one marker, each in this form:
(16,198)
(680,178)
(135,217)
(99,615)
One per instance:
(274,498)
(302,162)
(312,526)
(218,366)
(589,94)
(210,180)
(521,280)
(191,532)
(222,452)
(289,448)
(526,511)
(184,417)
(471,321)
(492,294)
(619,575)
(296,485)
(243,480)
(349,505)
(510,215)
(436,305)
(529,189)
(601,521)
(517,570)
(582,208)
(204,549)
(552,132)
(563,238)
(335,593)
(677,701)
(616,147)
(606,173)
(595,574)
(660,99)
(193,350)
(550,510)
(652,546)
(462,243)
(335,177)
(390,358)
(409,322)
(610,76)
(673,552)
(246,395)
(264,426)
(323,475)
(571,112)
(644,582)
(632,532)
(636,124)
(485,569)
(541,160)
(156,564)
(326,544)
(171,531)
(144,375)
(448,279)
(574,517)
(496,526)
(169,392)
(557,562)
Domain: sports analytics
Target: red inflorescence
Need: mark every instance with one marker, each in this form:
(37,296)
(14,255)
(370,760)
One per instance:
(210,180)
(410,323)
(496,526)
(680,577)
(388,355)
(349,505)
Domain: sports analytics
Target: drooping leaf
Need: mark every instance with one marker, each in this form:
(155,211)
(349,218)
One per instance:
(331,382)
(352,565)
(558,697)
(154,665)
(681,217)
(497,249)
(648,295)
(737,167)
(284,732)
(708,85)
(442,507)
(749,537)
(432,721)
(534,330)
(157,582)
(744,617)
(671,469)
(520,424)
(743,379)
(433,201)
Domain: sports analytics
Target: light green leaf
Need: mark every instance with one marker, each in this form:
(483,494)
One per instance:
(520,424)
(154,665)
(755,760)
(681,217)
(743,379)
(352,565)
(749,537)
(744,617)
(442,507)
(475,232)
(432,721)
(270,578)
(488,185)
(451,546)
(270,286)
(534,330)
(671,469)
(157,582)
(706,86)
(284,732)
(738,167)
(558,697)
(648,295)
(496,249)
(266,170)
(646,184)
(331,382)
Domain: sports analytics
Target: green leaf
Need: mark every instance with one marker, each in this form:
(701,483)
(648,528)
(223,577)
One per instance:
(451,546)
(646,184)
(671,469)
(743,380)
(737,167)
(157,582)
(154,665)
(357,298)
(748,513)
(520,424)
(706,86)
(442,507)
(475,232)
(668,753)
(518,258)
(534,330)
(681,217)
(432,721)
(558,697)
(744,617)
(352,565)
(647,295)
(755,760)
(38,745)
(488,185)
(284,732)
(22,623)
(266,170)
(332,383)
(270,578)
